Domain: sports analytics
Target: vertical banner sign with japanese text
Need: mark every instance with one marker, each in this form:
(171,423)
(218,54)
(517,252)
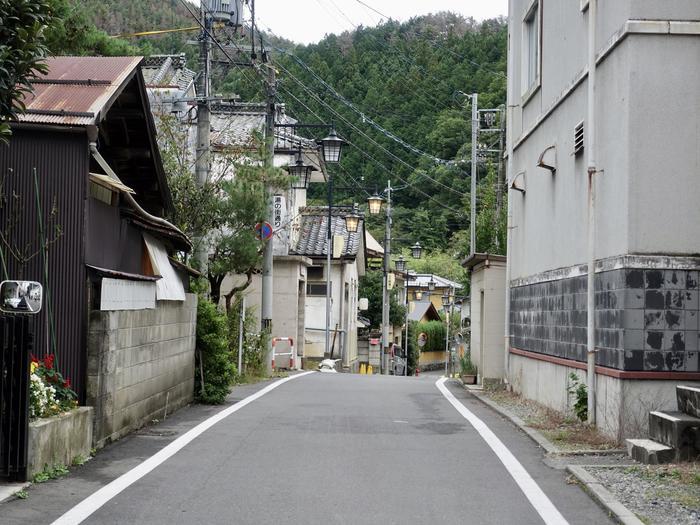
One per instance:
(279,224)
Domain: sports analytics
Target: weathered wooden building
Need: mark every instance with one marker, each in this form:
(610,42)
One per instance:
(83,196)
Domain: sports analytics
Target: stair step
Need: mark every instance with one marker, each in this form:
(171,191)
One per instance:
(688,398)
(649,452)
(678,431)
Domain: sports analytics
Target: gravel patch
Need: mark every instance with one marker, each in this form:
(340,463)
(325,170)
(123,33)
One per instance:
(656,494)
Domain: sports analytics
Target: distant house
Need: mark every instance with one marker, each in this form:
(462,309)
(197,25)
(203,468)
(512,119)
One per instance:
(647,221)
(85,170)
(348,265)
(423,311)
(419,288)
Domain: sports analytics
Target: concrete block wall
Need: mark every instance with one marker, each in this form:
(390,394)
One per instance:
(140,364)
(622,405)
(646,318)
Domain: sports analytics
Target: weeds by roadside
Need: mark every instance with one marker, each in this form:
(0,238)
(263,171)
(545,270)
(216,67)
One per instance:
(565,431)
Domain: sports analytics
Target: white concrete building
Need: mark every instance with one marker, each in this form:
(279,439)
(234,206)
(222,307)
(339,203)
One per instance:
(646,107)
(348,265)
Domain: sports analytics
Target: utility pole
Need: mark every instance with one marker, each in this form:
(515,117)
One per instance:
(203,127)
(447,340)
(385,282)
(500,183)
(474,171)
(267,274)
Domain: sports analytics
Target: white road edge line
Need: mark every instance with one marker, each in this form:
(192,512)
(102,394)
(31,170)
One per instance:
(97,499)
(538,499)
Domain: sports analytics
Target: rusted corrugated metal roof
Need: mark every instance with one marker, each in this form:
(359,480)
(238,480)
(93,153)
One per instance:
(76,90)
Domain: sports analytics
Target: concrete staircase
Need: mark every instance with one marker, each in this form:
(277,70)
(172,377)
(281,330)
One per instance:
(674,436)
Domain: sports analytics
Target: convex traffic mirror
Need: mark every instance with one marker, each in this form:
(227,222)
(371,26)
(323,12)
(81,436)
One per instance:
(21,297)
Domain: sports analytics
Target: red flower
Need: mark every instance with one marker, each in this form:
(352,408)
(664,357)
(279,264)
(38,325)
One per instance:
(48,361)
(67,383)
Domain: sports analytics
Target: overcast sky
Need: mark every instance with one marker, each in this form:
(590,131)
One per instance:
(306,21)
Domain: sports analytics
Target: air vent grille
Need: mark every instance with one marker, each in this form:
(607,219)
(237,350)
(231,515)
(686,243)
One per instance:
(578,139)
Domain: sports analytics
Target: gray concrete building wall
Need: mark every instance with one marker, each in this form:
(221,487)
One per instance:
(664,149)
(647,109)
(140,365)
(289,286)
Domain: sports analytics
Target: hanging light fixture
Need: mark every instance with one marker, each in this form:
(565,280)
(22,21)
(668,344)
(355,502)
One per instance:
(400,264)
(431,284)
(332,147)
(375,204)
(352,220)
(300,172)
(419,294)
(416,250)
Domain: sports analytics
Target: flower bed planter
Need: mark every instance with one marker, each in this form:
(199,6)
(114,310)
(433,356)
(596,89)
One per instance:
(469,379)
(57,440)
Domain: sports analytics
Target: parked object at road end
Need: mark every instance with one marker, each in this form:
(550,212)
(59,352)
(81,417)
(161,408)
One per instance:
(328,366)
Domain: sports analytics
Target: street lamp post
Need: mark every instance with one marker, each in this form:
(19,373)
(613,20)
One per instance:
(331,147)
(375,205)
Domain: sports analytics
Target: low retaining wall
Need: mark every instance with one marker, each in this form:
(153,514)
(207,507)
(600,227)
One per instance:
(58,440)
(140,365)
(622,405)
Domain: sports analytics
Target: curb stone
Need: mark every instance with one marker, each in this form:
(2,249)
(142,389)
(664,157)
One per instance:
(590,484)
(8,490)
(603,496)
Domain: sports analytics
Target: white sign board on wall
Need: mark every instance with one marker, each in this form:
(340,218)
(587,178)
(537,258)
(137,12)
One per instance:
(121,294)
(280,226)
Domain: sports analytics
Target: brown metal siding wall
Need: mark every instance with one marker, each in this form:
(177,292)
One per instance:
(62,163)
(123,251)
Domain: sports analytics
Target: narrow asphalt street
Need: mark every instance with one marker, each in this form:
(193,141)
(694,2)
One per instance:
(322,448)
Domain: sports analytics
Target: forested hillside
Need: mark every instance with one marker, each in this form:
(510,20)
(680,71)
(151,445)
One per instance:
(410,80)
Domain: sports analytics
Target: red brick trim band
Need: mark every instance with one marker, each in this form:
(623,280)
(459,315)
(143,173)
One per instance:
(611,372)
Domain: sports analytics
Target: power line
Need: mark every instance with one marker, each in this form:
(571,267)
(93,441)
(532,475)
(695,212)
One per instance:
(314,95)
(365,118)
(367,137)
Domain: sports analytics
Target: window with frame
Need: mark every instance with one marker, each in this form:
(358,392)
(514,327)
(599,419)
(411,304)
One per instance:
(531,48)
(316,289)
(314,273)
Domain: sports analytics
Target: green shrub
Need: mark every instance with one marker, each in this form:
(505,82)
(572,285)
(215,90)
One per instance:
(466,364)
(214,360)
(435,330)
(413,350)
(578,390)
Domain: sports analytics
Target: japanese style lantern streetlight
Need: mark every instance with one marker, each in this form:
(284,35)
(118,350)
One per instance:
(352,220)
(416,250)
(401,264)
(375,204)
(332,147)
(300,173)
(431,284)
